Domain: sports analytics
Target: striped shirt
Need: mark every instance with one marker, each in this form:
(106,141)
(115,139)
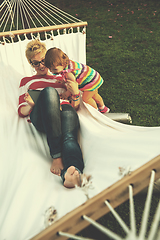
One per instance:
(88,79)
(37,82)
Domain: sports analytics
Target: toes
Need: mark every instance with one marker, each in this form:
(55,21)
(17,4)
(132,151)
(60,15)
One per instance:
(56,171)
(72,177)
(76,173)
(71,170)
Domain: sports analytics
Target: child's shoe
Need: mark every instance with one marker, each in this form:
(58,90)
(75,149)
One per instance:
(104,110)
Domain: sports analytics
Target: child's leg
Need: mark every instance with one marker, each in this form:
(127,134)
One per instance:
(98,99)
(95,100)
(100,103)
(88,98)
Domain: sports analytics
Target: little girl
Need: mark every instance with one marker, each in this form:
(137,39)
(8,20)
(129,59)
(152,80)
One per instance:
(87,78)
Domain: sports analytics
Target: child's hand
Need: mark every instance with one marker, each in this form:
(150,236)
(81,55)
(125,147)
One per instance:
(29,100)
(60,81)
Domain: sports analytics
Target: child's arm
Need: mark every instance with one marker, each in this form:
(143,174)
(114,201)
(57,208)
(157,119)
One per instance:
(72,86)
(70,76)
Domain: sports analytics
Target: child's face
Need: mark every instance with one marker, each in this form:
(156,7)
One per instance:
(56,69)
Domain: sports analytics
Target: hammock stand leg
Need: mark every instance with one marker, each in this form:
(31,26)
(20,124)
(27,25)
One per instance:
(131,233)
(115,195)
(73,236)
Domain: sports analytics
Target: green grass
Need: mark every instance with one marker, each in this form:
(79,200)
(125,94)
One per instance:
(129,65)
(129,61)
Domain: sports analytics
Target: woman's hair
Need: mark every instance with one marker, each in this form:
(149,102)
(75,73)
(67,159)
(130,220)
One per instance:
(56,57)
(34,47)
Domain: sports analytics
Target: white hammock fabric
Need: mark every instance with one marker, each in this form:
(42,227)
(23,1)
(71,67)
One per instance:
(27,186)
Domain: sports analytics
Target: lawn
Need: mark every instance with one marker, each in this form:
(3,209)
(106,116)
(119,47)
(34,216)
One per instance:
(123,40)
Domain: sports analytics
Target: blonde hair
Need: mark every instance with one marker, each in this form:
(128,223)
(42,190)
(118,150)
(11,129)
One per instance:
(56,57)
(34,47)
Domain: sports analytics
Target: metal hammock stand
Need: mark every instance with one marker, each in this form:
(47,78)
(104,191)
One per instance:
(21,18)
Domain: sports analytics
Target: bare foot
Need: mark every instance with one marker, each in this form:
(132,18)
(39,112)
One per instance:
(56,166)
(72,178)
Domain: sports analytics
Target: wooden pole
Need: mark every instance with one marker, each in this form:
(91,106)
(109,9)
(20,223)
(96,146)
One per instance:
(43,29)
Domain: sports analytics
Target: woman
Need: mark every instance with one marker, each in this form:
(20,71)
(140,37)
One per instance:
(52,115)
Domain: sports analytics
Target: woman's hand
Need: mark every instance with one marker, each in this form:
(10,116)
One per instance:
(29,100)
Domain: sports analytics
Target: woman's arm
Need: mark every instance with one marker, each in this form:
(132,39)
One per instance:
(75,101)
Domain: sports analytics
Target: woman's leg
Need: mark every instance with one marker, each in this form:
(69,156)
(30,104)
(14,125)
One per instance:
(71,152)
(61,128)
(46,118)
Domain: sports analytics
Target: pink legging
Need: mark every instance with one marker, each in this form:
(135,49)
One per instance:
(93,98)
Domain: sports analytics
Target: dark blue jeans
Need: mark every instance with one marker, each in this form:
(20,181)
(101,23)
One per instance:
(61,128)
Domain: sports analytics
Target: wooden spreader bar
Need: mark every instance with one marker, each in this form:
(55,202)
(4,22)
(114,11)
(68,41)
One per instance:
(43,29)
(96,207)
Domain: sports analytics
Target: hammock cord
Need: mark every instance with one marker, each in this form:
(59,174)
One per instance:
(32,14)
(42,12)
(70,17)
(8,11)
(50,15)
(12,17)
(22,14)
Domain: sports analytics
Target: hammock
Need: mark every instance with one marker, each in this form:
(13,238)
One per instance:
(116,155)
